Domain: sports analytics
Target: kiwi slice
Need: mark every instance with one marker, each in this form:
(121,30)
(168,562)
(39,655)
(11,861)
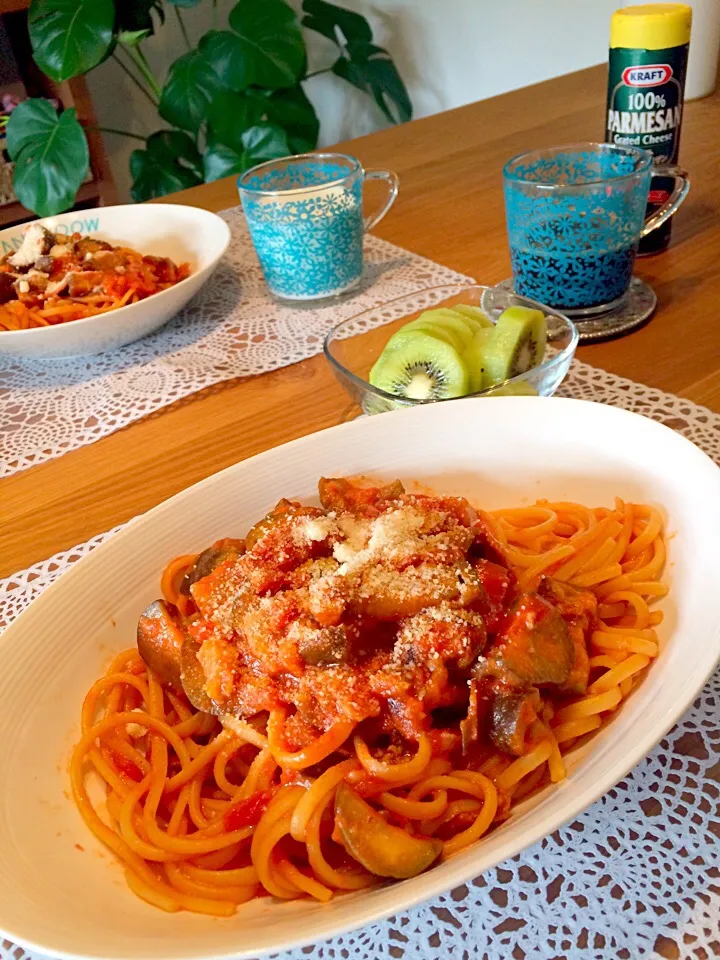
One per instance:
(420,367)
(516,344)
(434,330)
(475,314)
(474,358)
(447,320)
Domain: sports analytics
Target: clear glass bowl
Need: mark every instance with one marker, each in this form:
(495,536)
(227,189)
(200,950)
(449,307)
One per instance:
(353,346)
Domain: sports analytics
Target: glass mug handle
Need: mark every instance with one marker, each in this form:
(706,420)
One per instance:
(393,183)
(679,192)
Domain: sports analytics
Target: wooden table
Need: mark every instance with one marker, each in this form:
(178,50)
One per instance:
(450,209)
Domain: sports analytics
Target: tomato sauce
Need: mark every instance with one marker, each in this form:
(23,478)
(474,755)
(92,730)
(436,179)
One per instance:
(380,608)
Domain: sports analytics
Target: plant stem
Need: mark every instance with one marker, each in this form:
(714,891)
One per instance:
(119,133)
(183,28)
(214,15)
(140,61)
(134,79)
(316,73)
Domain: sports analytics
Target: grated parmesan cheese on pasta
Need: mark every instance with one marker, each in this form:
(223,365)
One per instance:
(391,531)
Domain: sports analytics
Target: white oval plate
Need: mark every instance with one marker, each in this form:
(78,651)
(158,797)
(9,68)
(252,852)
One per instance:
(65,902)
(185,234)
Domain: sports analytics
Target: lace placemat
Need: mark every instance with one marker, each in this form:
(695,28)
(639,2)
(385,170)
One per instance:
(232,328)
(636,874)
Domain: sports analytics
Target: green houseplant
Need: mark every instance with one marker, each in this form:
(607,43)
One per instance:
(234,99)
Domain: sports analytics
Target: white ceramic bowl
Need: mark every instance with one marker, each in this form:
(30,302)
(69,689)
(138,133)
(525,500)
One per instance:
(64,902)
(185,234)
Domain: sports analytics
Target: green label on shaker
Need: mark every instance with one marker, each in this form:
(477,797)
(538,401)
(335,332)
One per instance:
(645,99)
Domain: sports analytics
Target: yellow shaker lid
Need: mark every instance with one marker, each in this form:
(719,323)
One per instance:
(651,26)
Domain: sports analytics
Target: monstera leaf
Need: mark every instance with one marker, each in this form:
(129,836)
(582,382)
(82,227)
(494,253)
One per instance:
(170,162)
(191,85)
(272,44)
(50,153)
(231,114)
(70,37)
(265,141)
(372,70)
(291,110)
(326,18)
(361,62)
(227,53)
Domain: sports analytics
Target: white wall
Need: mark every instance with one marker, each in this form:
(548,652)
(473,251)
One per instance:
(449,52)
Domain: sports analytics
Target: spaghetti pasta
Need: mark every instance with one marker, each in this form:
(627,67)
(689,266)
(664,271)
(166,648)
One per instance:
(437,702)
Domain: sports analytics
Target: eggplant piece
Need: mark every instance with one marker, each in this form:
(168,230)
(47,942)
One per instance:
(328,595)
(579,677)
(344,496)
(499,587)
(578,608)
(209,559)
(160,640)
(193,682)
(469,725)
(384,850)
(534,644)
(36,280)
(106,260)
(87,245)
(283,509)
(323,646)
(193,679)
(458,510)
(7,287)
(163,267)
(394,595)
(571,602)
(45,263)
(445,633)
(486,545)
(83,283)
(512,714)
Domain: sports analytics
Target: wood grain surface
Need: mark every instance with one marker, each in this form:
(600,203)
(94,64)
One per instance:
(450,209)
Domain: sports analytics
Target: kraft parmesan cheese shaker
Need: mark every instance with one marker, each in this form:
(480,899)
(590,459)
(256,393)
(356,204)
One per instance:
(646,85)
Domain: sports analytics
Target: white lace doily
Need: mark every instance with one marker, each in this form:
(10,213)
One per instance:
(232,328)
(636,873)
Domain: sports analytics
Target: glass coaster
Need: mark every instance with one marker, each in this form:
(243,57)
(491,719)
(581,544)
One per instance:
(634,309)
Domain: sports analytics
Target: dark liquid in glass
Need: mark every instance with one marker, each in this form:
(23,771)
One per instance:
(572,280)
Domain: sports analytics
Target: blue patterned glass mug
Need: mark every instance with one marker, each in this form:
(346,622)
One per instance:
(575,215)
(305,217)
